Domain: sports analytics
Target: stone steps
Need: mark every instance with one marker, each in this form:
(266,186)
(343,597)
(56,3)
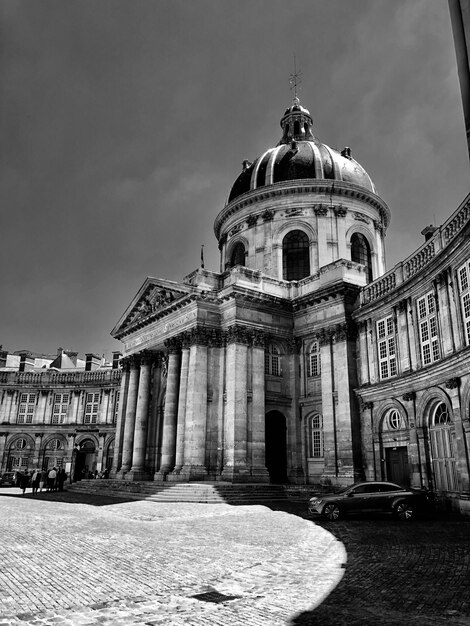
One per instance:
(208,493)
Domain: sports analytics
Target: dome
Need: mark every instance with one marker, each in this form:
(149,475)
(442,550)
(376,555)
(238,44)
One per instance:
(299,155)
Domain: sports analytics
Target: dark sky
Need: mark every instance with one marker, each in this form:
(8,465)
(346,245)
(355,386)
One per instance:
(125,123)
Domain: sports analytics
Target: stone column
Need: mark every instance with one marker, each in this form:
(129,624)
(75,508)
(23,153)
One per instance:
(414,456)
(104,417)
(236,467)
(259,473)
(443,312)
(37,449)
(181,416)
(171,409)
(99,458)
(402,339)
(363,354)
(196,409)
(415,358)
(215,408)
(155,415)
(347,459)
(3,440)
(454,304)
(328,407)
(41,407)
(137,471)
(295,471)
(129,417)
(367,441)
(118,441)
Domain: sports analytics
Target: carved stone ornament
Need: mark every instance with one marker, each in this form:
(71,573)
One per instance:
(320,209)
(401,306)
(215,338)
(366,406)
(173,345)
(237,334)
(236,229)
(156,299)
(268,215)
(134,361)
(409,395)
(340,210)
(452,383)
(361,218)
(258,338)
(251,220)
(379,227)
(324,336)
(294,345)
(294,212)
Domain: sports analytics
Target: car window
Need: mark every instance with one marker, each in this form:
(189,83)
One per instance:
(372,488)
(389,488)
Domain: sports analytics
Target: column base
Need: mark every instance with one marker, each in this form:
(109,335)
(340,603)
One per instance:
(259,474)
(136,475)
(120,475)
(240,474)
(191,472)
(296,476)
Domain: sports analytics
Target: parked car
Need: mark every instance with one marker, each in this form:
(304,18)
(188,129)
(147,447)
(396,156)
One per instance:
(381,496)
(8,479)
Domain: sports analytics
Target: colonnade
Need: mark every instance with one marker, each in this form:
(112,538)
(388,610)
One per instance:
(194,410)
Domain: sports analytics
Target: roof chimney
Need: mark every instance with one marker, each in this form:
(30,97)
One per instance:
(429,231)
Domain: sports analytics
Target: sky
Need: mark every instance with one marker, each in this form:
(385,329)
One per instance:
(124,124)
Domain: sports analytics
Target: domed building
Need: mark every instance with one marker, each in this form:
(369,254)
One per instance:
(284,366)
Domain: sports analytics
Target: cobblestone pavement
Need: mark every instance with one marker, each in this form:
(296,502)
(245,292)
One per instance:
(64,560)
(81,560)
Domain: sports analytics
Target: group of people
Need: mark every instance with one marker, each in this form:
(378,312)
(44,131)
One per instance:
(85,473)
(40,480)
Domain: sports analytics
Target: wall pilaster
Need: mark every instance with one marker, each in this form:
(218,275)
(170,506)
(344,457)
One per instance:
(258,410)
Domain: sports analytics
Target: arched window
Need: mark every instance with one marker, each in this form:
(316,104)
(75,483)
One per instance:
(296,128)
(441,415)
(315,436)
(313,360)
(54,444)
(360,253)
(272,361)
(20,444)
(238,255)
(295,256)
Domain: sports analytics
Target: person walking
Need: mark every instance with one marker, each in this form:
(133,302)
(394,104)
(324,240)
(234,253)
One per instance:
(35,478)
(43,480)
(22,480)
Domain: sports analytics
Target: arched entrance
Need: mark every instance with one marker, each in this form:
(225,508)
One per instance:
(84,459)
(276,440)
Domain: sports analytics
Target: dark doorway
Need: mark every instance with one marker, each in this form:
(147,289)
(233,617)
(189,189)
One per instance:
(276,456)
(83,460)
(397,465)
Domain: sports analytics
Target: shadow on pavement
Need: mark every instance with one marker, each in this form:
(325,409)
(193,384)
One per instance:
(69,497)
(397,572)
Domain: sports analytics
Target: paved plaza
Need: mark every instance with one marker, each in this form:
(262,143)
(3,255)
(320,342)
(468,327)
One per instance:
(83,560)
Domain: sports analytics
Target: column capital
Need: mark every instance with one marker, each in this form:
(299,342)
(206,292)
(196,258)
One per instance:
(366,406)
(258,338)
(294,345)
(237,334)
(408,396)
(134,361)
(452,383)
(173,345)
(147,357)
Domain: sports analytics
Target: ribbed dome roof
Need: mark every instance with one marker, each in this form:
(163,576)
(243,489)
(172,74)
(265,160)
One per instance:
(299,155)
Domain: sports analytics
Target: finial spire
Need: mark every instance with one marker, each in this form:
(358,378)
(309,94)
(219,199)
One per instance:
(295,79)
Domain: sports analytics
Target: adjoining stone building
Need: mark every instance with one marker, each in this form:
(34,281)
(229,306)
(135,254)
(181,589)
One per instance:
(57,411)
(259,373)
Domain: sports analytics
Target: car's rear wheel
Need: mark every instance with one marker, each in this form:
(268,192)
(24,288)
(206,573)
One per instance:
(405,511)
(332,512)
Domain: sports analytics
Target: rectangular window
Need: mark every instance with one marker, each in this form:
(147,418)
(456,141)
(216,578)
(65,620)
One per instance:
(91,408)
(60,408)
(428,329)
(26,408)
(386,347)
(464,292)
(313,362)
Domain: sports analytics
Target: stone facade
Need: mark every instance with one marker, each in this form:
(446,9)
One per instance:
(58,417)
(301,361)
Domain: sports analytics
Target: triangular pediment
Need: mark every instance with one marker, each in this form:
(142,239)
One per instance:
(155,295)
